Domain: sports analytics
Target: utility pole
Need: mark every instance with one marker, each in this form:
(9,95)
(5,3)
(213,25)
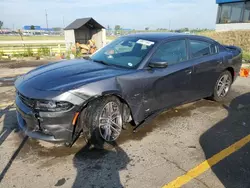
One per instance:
(63,23)
(46,19)
(169,27)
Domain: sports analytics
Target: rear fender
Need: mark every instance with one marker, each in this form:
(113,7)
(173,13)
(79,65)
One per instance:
(235,59)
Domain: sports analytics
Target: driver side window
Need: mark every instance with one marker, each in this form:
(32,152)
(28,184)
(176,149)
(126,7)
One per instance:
(171,52)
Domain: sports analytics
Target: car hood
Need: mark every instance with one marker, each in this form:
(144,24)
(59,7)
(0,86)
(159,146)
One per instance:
(66,75)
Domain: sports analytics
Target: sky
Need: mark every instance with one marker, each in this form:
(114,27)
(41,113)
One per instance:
(132,14)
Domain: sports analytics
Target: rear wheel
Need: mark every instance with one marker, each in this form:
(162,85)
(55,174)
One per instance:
(102,121)
(222,86)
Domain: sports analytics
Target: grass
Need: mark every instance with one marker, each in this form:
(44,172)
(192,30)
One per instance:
(14,38)
(246,56)
(237,38)
(12,46)
(111,37)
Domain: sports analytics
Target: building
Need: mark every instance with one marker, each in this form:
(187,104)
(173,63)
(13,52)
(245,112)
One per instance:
(38,30)
(233,15)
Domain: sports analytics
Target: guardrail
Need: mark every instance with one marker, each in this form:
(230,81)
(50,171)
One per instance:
(33,49)
(21,42)
(8,48)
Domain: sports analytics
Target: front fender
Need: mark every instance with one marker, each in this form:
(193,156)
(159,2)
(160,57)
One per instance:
(111,86)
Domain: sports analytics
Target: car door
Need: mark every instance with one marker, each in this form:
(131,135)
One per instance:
(170,86)
(207,66)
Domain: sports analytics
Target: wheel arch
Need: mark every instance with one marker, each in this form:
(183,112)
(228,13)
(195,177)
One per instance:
(107,94)
(127,111)
(231,70)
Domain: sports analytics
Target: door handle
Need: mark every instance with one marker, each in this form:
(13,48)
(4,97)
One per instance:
(189,71)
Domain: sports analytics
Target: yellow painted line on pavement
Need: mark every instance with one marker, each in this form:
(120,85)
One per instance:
(204,166)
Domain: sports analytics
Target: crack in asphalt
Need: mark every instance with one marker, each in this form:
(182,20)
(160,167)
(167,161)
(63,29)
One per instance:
(169,161)
(128,179)
(182,169)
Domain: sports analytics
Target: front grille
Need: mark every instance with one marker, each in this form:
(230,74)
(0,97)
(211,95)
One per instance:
(29,102)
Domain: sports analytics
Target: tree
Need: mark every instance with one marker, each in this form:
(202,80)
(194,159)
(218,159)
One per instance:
(147,28)
(117,27)
(32,27)
(1,24)
(57,29)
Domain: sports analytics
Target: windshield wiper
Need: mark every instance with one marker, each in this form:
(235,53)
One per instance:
(105,63)
(100,61)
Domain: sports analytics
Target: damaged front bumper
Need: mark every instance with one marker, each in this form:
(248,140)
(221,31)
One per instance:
(47,126)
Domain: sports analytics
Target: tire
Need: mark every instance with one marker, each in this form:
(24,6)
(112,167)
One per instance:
(96,127)
(225,81)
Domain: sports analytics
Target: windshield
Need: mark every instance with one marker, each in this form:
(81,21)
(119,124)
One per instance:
(125,52)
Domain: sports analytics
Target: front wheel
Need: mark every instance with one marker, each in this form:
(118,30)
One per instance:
(222,86)
(103,121)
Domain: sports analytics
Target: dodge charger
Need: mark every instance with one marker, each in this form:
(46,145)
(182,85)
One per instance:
(132,79)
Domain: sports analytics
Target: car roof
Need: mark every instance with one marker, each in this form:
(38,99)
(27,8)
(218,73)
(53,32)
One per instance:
(159,36)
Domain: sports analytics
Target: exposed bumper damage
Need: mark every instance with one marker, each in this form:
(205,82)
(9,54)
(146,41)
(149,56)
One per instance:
(51,126)
(48,126)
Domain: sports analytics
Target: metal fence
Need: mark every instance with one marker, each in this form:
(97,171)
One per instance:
(12,48)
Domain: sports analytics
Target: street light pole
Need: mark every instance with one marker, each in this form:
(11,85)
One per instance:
(46,19)
(63,23)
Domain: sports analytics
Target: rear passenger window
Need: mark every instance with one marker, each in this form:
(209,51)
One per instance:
(201,48)
(171,52)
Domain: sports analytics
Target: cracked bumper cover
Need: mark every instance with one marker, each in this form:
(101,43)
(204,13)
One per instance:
(50,126)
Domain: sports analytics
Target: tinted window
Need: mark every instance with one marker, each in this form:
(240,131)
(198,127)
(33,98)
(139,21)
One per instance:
(171,52)
(236,12)
(125,52)
(201,48)
(225,13)
(247,13)
(231,12)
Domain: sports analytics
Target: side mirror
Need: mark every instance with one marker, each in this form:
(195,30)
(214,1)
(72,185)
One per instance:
(158,64)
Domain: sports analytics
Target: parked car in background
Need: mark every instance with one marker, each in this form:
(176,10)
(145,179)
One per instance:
(133,78)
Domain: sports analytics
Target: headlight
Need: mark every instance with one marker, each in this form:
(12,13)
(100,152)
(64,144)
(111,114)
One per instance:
(52,106)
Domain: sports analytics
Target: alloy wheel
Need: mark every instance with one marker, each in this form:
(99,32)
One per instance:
(223,85)
(110,122)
